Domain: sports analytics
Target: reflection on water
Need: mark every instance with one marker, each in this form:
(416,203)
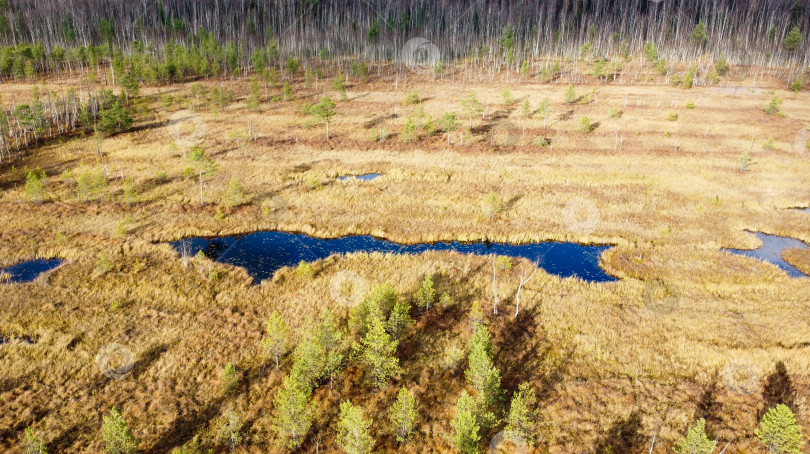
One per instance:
(771,251)
(262,253)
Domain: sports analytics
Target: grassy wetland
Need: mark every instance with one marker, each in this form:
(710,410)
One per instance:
(131,346)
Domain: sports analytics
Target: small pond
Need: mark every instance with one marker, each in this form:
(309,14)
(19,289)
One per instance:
(364,177)
(262,253)
(771,251)
(30,270)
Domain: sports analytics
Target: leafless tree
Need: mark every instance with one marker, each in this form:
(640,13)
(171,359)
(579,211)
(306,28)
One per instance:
(747,33)
(523,281)
(494,286)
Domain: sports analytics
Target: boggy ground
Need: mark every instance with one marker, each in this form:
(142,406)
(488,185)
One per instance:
(613,363)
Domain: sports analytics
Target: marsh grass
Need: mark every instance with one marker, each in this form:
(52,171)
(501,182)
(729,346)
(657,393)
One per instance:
(572,339)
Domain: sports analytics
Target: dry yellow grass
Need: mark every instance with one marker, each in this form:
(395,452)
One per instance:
(595,352)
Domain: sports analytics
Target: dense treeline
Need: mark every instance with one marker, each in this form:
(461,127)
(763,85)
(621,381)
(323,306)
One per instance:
(747,32)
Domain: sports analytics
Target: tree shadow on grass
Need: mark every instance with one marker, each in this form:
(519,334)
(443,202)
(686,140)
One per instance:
(65,441)
(185,427)
(623,436)
(147,359)
(565,116)
(778,389)
(378,121)
(709,409)
(521,353)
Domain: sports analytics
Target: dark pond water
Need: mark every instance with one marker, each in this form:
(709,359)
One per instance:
(771,251)
(30,270)
(364,177)
(262,253)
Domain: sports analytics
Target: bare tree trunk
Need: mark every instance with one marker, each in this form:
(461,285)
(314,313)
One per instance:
(522,283)
(494,288)
(202,201)
(185,251)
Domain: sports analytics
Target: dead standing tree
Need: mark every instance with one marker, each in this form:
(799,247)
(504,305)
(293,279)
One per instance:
(523,281)
(748,33)
(494,286)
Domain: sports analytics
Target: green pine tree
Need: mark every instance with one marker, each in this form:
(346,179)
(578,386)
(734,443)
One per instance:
(426,295)
(522,417)
(465,425)
(353,430)
(287,91)
(114,118)
(482,374)
(471,107)
(399,320)
(696,441)
(205,166)
(379,301)
(274,344)
(779,431)
(526,109)
(570,94)
(339,86)
(35,185)
(476,316)
(448,124)
(230,427)
(793,40)
(294,412)
(378,354)
(332,341)
(253,97)
(118,439)
(230,379)
(699,33)
(403,415)
(33,444)
(324,110)
(321,353)
(544,109)
(408,133)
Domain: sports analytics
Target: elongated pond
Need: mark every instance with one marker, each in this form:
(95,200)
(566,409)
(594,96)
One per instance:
(262,253)
(771,251)
(29,271)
